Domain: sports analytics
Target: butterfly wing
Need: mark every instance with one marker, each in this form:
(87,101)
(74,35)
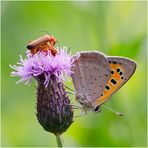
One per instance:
(90,73)
(121,70)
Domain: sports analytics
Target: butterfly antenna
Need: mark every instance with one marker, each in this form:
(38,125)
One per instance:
(117,113)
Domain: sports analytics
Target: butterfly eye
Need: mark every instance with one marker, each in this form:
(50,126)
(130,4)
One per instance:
(97,108)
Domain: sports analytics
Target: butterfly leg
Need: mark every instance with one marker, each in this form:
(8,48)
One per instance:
(68,88)
(71,93)
(75,106)
(82,114)
(83,111)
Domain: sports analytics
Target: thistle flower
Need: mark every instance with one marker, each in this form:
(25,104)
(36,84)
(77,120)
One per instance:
(43,64)
(54,111)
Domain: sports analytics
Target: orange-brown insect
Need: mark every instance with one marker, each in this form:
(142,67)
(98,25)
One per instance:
(44,43)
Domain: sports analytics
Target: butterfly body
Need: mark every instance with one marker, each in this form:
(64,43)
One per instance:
(97,77)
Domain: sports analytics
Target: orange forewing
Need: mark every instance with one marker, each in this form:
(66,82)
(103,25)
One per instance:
(115,82)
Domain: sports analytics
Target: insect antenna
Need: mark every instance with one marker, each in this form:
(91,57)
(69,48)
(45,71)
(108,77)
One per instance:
(44,31)
(117,113)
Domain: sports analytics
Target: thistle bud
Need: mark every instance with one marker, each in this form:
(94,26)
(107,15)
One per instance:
(54,111)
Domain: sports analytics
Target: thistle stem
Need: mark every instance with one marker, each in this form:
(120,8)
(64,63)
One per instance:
(59,142)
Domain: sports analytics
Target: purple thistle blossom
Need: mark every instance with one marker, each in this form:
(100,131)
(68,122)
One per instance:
(43,64)
(54,111)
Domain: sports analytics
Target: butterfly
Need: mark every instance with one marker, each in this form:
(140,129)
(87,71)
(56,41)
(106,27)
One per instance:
(96,77)
(44,43)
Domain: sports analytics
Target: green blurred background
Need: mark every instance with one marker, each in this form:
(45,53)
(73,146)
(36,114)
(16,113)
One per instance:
(115,28)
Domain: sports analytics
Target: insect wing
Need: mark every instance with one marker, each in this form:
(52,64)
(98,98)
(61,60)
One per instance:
(121,70)
(91,73)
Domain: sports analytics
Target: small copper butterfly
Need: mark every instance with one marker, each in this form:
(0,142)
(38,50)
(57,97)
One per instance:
(96,77)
